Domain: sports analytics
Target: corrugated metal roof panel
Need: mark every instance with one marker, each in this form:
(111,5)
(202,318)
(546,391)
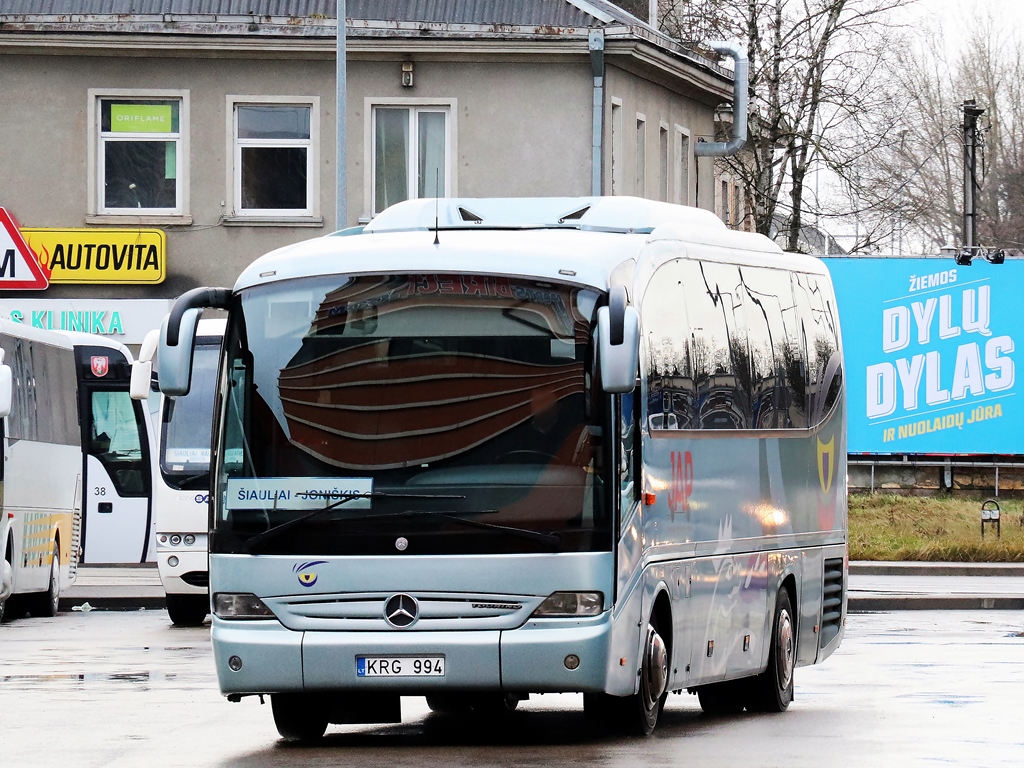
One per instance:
(557,13)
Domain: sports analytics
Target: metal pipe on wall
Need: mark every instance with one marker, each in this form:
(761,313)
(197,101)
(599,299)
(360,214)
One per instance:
(341,110)
(596,45)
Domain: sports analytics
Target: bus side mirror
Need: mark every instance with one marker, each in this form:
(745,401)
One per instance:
(6,387)
(176,359)
(178,337)
(618,331)
(142,369)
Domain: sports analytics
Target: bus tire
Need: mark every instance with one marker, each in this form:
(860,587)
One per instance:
(299,717)
(187,610)
(772,690)
(449,703)
(46,603)
(495,703)
(727,698)
(637,714)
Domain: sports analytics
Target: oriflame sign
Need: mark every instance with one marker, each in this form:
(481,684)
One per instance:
(931,354)
(137,256)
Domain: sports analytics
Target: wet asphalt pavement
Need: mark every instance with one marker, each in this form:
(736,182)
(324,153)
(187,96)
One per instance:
(911,688)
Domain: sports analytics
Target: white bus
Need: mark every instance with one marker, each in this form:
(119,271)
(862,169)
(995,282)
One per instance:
(182,479)
(41,471)
(491,448)
(117,525)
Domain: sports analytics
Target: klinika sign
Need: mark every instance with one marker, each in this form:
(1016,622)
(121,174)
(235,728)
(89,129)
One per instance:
(128,320)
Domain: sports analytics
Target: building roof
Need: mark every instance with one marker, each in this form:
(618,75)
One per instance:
(563,13)
(316,19)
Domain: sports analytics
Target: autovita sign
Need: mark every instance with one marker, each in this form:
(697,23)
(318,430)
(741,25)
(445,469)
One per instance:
(106,256)
(931,354)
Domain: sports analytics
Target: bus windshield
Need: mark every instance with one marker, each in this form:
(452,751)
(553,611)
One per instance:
(434,414)
(187,422)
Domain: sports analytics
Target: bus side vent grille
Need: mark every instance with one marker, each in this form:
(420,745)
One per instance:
(468,215)
(76,541)
(832,600)
(197,579)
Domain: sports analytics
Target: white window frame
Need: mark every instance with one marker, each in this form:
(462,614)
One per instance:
(96,174)
(683,158)
(415,105)
(641,155)
(310,215)
(664,162)
(616,125)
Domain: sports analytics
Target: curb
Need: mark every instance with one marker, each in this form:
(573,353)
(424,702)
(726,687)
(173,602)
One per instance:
(863,568)
(878,604)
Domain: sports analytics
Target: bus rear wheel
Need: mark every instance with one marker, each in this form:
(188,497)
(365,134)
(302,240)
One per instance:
(772,690)
(46,603)
(187,610)
(299,717)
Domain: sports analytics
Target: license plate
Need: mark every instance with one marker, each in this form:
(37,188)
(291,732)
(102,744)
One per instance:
(400,666)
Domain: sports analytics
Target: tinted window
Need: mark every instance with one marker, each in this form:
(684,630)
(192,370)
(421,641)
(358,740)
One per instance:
(718,347)
(824,368)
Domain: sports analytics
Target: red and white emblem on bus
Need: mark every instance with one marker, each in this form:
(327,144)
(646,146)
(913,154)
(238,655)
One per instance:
(100,365)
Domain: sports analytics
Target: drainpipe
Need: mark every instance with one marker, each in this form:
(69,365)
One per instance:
(597,65)
(739,104)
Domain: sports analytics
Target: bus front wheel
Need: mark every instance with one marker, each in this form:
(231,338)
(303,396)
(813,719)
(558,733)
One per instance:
(772,690)
(636,714)
(299,717)
(187,610)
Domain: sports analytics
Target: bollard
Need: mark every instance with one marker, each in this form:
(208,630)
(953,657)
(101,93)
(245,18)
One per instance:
(989,515)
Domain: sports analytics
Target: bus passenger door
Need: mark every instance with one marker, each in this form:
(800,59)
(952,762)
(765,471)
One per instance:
(117,479)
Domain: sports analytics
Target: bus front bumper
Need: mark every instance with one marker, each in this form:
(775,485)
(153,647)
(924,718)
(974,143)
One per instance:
(187,563)
(541,656)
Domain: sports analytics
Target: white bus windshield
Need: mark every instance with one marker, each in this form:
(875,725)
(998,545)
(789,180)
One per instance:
(459,408)
(187,423)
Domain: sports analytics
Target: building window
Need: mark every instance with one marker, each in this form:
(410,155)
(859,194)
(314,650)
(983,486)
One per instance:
(411,152)
(641,156)
(726,210)
(138,154)
(682,186)
(274,148)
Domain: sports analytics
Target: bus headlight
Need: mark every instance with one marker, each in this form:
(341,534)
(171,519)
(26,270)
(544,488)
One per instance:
(567,604)
(239,605)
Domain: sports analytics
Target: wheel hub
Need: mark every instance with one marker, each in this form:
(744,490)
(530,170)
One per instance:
(785,645)
(655,665)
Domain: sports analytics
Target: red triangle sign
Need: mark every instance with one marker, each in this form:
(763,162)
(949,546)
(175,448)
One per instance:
(19,266)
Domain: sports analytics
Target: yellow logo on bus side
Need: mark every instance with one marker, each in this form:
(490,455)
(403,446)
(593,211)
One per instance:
(826,463)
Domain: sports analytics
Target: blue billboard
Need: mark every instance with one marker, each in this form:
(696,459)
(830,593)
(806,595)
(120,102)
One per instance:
(931,354)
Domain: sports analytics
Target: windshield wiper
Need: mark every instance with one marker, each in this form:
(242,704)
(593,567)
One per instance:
(341,499)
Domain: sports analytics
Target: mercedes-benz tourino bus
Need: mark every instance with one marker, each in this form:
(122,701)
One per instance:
(40,471)
(490,448)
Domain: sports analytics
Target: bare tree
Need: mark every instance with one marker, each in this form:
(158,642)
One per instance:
(918,179)
(817,69)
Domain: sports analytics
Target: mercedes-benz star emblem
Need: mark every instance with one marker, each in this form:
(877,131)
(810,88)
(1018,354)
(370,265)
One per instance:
(400,611)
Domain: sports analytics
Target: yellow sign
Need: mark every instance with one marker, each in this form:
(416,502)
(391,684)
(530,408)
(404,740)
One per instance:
(100,255)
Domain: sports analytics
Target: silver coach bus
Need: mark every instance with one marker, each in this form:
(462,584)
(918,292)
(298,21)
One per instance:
(489,448)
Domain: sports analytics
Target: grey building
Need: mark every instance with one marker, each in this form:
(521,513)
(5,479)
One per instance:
(215,122)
